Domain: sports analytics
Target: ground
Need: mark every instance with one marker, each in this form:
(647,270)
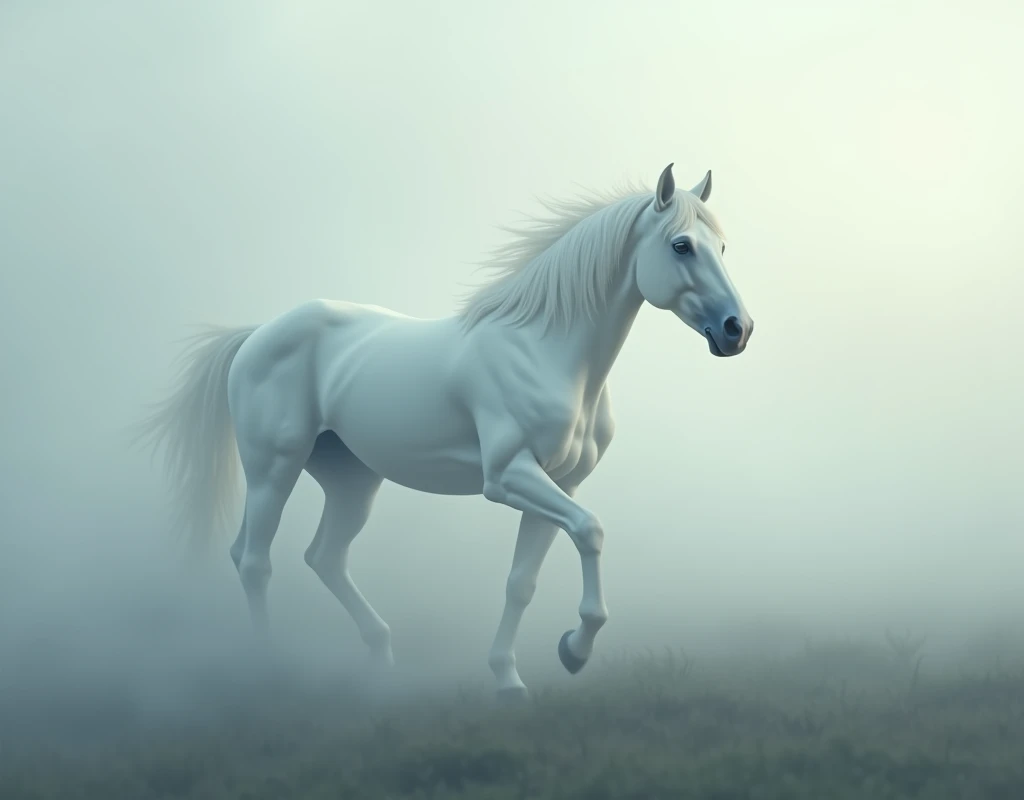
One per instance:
(839,720)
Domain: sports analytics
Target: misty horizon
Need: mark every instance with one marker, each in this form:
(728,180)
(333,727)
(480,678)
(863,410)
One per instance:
(857,468)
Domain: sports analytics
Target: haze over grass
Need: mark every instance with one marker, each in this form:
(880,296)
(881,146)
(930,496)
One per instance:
(857,468)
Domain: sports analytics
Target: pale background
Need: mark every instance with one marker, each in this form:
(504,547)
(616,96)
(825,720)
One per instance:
(859,466)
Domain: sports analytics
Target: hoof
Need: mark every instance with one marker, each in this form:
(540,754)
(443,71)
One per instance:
(570,661)
(513,696)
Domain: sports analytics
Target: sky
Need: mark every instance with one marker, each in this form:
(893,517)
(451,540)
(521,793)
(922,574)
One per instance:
(164,166)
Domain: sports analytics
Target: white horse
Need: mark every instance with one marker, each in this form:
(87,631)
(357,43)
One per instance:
(508,399)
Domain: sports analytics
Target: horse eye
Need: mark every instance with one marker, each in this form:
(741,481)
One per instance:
(682,248)
(723,249)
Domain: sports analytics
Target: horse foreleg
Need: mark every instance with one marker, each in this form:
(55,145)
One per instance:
(521,483)
(535,537)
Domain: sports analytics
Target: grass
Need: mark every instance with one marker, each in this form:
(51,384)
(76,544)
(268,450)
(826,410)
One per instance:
(840,720)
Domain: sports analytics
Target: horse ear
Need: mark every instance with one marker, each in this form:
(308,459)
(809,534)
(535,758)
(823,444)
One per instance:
(666,189)
(703,189)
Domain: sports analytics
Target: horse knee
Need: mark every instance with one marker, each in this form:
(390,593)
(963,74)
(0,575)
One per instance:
(588,535)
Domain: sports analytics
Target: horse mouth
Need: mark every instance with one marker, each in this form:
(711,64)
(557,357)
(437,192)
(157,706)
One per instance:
(712,344)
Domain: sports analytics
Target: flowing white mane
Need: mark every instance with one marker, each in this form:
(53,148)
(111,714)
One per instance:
(561,266)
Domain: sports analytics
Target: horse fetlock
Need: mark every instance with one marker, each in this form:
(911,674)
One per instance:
(382,657)
(378,637)
(593,617)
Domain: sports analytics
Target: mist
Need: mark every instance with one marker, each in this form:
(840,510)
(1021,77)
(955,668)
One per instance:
(857,468)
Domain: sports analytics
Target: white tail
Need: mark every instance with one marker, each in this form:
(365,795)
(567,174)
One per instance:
(194,427)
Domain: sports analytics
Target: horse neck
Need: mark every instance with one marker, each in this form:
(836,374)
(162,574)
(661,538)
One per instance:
(596,343)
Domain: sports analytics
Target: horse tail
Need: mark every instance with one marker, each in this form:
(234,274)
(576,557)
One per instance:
(193,427)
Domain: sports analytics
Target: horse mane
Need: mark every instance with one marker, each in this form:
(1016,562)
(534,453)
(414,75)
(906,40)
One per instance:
(560,267)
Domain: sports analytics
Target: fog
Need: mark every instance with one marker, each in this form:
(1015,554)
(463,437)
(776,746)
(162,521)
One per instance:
(857,467)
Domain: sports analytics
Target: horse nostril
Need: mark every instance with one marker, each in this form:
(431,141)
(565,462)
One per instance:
(732,328)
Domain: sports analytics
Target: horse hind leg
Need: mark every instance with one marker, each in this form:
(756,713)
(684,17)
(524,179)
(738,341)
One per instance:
(349,490)
(270,476)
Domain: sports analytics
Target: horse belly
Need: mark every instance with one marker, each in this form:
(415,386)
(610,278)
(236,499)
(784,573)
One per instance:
(436,457)
(390,403)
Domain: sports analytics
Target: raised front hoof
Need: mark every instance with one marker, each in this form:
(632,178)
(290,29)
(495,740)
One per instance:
(572,662)
(513,696)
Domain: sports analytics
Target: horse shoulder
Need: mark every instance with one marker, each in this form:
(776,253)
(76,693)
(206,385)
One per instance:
(510,385)
(544,402)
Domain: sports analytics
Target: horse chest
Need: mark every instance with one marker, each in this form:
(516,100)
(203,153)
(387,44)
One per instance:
(565,443)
